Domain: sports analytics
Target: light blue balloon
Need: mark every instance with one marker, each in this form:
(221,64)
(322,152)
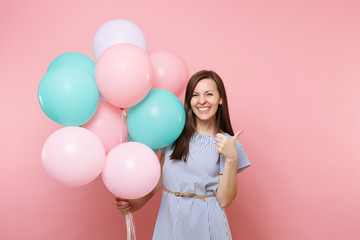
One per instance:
(69,96)
(158,120)
(74,59)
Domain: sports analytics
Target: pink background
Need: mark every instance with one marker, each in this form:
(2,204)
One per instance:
(292,72)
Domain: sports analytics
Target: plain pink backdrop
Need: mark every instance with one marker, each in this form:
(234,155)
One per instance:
(292,72)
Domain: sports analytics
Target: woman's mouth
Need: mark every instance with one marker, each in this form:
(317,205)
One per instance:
(203,109)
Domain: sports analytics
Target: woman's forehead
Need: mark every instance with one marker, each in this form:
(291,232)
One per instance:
(206,84)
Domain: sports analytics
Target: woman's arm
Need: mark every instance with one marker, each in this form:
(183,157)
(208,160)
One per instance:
(131,205)
(227,189)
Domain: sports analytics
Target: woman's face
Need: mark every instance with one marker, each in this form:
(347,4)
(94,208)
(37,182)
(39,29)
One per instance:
(205,100)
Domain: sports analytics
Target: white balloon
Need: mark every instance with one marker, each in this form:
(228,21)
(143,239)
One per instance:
(117,31)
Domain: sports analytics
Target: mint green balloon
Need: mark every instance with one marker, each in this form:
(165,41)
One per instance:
(69,96)
(74,59)
(158,120)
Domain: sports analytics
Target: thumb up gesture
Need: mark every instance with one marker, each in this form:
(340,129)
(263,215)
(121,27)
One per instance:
(227,146)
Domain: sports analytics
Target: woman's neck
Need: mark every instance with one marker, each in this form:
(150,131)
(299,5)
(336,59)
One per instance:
(206,127)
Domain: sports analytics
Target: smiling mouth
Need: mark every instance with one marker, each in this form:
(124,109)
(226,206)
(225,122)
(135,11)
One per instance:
(203,109)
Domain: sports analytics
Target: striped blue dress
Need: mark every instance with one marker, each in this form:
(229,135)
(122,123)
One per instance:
(185,218)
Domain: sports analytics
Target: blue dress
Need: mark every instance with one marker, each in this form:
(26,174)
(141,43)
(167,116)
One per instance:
(185,218)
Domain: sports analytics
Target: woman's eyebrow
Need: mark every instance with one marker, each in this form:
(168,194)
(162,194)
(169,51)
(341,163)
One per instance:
(205,91)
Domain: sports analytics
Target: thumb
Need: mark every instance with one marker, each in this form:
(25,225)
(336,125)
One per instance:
(235,137)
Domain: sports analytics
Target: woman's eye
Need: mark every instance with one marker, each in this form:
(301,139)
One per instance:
(209,94)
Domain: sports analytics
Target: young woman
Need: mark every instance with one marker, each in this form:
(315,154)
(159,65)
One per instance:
(199,169)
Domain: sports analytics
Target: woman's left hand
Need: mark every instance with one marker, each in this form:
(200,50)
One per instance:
(227,146)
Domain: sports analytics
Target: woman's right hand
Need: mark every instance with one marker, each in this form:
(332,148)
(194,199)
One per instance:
(129,205)
(123,205)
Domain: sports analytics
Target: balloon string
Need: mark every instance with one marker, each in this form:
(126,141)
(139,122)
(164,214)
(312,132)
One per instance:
(130,227)
(122,123)
(122,120)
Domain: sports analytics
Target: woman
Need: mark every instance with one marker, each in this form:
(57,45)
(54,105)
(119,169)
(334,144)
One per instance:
(199,169)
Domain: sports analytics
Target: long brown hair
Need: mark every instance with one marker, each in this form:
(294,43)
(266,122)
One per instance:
(222,120)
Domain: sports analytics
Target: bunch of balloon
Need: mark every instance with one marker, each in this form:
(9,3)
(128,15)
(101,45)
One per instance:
(77,92)
(69,96)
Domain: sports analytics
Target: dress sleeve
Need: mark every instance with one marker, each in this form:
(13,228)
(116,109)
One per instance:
(243,161)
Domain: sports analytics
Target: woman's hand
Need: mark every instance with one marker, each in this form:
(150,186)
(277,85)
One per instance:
(227,146)
(227,189)
(129,205)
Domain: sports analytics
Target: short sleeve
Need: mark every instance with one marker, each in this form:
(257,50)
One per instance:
(243,161)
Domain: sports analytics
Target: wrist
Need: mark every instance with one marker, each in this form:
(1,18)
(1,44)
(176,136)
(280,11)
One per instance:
(230,163)
(231,160)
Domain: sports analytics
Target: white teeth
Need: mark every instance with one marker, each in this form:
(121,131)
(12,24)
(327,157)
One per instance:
(204,109)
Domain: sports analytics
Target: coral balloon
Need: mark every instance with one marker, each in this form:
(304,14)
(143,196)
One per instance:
(117,31)
(124,74)
(73,156)
(109,124)
(158,120)
(170,72)
(132,170)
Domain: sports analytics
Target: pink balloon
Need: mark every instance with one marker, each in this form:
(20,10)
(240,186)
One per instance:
(123,74)
(170,72)
(109,124)
(132,170)
(73,156)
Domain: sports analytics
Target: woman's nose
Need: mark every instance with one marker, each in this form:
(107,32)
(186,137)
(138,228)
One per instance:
(202,100)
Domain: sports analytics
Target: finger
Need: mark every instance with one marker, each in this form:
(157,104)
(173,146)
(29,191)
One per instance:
(217,140)
(238,134)
(121,203)
(122,206)
(220,139)
(219,135)
(122,209)
(218,149)
(125,211)
(220,144)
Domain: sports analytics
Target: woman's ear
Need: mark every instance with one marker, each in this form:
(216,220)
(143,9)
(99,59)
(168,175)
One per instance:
(220,101)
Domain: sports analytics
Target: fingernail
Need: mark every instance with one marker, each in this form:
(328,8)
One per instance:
(124,203)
